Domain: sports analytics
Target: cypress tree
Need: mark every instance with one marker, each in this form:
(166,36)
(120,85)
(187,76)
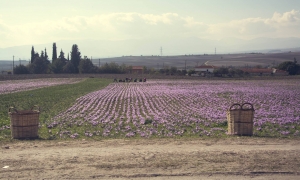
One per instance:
(32,55)
(54,52)
(62,55)
(46,55)
(75,57)
(36,55)
(42,54)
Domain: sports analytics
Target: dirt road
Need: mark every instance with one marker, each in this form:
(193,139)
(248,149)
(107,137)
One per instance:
(230,158)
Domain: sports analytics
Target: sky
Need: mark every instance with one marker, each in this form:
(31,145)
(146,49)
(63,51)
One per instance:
(30,22)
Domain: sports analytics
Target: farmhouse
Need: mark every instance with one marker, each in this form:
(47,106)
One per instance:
(205,69)
(137,70)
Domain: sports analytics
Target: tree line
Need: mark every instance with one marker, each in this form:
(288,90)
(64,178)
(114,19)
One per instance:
(40,64)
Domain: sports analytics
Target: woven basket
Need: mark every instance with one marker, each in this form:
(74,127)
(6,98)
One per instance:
(240,120)
(234,115)
(242,129)
(247,114)
(24,123)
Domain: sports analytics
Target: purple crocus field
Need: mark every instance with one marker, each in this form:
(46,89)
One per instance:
(168,108)
(12,86)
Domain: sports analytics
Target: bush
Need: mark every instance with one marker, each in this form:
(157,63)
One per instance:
(284,66)
(57,66)
(39,66)
(291,67)
(86,66)
(191,71)
(232,72)
(69,68)
(21,69)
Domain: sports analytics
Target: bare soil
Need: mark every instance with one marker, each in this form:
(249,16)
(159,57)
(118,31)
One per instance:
(212,158)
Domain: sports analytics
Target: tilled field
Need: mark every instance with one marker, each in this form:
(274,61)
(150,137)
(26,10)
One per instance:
(168,158)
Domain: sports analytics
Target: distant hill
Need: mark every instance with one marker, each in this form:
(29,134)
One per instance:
(190,61)
(187,46)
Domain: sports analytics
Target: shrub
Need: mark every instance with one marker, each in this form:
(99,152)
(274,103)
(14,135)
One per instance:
(21,69)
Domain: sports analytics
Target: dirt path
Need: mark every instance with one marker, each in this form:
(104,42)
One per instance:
(232,158)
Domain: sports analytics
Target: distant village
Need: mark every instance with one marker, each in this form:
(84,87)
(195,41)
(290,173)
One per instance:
(202,71)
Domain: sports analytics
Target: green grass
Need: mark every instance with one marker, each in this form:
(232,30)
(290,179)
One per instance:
(51,100)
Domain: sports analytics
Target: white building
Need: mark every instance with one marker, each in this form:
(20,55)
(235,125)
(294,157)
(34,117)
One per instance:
(205,69)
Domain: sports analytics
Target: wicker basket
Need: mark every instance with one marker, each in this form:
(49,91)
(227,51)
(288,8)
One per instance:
(240,121)
(234,115)
(24,123)
(247,114)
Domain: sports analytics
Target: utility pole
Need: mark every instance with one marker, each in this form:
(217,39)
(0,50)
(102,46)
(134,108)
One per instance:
(13,64)
(161,51)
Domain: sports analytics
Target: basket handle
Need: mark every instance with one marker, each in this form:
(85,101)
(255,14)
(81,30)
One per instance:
(247,104)
(12,108)
(236,104)
(35,106)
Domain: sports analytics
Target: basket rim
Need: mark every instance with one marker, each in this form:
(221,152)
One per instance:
(24,112)
(34,110)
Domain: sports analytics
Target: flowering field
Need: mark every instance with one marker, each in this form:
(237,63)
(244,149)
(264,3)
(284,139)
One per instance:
(55,97)
(29,84)
(168,108)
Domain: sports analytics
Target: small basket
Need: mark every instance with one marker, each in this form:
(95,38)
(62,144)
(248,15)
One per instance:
(24,123)
(240,120)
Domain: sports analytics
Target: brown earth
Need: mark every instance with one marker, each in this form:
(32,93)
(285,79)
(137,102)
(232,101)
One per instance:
(212,158)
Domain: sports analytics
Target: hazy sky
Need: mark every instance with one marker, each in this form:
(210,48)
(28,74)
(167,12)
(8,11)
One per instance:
(24,22)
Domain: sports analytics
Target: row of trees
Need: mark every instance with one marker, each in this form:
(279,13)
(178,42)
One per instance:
(230,72)
(40,64)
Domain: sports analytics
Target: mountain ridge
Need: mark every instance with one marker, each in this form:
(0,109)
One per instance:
(135,47)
